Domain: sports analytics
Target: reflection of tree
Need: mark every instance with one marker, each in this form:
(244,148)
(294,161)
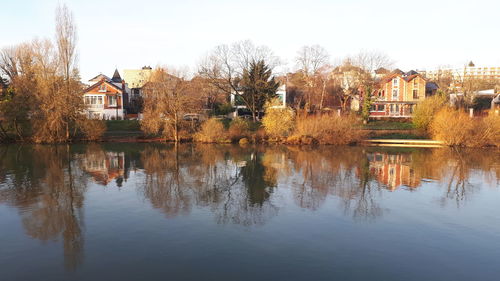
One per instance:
(229,180)
(341,172)
(48,188)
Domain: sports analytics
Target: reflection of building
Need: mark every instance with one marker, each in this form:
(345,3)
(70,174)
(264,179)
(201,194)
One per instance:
(105,166)
(393,170)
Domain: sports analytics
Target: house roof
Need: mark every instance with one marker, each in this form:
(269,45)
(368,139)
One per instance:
(399,73)
(381,70)
(431,86)
(99,77)
(411,72)
(99,83)
(116,77)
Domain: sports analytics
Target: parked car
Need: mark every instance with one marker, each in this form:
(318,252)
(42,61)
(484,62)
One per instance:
(192,117)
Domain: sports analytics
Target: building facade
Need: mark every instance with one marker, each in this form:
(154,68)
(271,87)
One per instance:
(469,71)
(398,94)
(107,98)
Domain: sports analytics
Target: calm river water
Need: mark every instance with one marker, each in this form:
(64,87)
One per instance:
(225,212)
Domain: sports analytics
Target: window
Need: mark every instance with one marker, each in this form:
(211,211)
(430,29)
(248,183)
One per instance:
(99,100)
(112,100)
(395,82)
(102,88)
(87,100)
(395,94)
(415,83)
(381,107)
(415,93)
(373,107)
(394,108)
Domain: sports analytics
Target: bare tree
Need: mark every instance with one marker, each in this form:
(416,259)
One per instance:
(166,99)
(350,79)
(312,62)
(372,60)
(225,65)
(45,86)
(311,58)
(66,40)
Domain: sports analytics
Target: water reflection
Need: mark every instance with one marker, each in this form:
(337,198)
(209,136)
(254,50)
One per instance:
(237,185)
(104,166)
(48,189)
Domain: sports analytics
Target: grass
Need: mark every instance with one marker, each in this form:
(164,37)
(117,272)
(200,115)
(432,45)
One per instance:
(398,136)
(388,125)
(123,125)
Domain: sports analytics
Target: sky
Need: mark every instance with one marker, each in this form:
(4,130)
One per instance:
(129,34)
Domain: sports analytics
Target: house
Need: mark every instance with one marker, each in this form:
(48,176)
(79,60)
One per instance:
(397,94)
(136,79)
(241,108)
(107,98)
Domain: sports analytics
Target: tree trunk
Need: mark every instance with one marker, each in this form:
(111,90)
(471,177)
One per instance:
(322,96)
(176,128)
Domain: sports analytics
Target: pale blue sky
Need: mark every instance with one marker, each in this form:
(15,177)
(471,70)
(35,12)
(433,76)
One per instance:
(130,34)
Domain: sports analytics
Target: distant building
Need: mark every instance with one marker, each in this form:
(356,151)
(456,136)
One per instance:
(106,98)
(397,94)
(136,79)
(467,71)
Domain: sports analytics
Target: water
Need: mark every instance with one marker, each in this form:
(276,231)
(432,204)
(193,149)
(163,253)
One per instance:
(225,212)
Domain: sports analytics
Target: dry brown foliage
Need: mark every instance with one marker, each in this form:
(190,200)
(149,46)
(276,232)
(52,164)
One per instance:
(456,128)
(327,129)
(212,131)
(239,128)
(92,129)
(278,122)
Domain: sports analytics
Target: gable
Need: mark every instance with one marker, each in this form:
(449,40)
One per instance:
(110,88)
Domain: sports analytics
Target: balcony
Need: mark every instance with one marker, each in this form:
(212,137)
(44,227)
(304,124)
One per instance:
(95,106)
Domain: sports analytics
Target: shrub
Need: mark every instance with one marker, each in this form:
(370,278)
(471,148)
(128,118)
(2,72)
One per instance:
(456,128)
(328,129)
(211,131)
(238,128)
(93,129)
(426,110)
(278,122)
(492,128)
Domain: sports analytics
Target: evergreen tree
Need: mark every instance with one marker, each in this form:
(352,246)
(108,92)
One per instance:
(257,86)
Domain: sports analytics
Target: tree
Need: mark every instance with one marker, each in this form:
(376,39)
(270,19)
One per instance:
(225,65)
(166,99)
(44,89)
(351,80)
(311,58)
(312,62)
(257,86)
(372,60)
(367,103)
